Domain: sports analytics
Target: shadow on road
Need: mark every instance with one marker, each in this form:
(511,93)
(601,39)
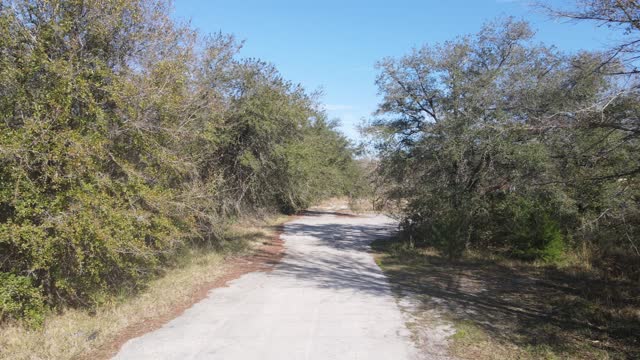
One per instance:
(341,257)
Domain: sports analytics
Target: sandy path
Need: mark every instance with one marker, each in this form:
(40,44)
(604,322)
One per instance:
(327,299)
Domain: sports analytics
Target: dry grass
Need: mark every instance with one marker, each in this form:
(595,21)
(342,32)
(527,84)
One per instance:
(361,205)
(75,332)
(333,204)
(516,310)
(357,205)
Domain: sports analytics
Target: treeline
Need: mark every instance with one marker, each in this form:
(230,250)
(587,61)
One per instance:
(125,137)
(495,143)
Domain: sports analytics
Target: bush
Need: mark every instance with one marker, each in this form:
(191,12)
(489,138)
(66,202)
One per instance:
(20,300)
(449,234)
(499,125)
(119,150)
(532,233)
(553,244)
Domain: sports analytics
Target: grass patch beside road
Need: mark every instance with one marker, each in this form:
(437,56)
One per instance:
(74,333)
(516,310)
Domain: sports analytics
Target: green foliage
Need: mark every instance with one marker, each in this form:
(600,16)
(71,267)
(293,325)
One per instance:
(531,232)
(553,242)
(447,233)
(125,137)
(20,300)
(494,142)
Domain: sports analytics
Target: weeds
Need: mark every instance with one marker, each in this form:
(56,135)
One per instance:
(506,309)
(74,332)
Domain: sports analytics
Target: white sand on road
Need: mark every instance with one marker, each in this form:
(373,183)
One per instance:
(327,299)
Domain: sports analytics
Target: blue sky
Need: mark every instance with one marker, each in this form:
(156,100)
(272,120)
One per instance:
(333,45)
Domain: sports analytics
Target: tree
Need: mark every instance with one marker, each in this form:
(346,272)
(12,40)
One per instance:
(473,136)
(616,14)
(125,137)
(612,124)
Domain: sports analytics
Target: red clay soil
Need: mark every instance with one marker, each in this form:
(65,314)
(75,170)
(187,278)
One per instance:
(264,259)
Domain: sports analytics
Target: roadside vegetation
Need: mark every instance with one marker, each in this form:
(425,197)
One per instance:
(493,143)
(80,333)
(132,146)
(128,140)
(502,308)
(516,172)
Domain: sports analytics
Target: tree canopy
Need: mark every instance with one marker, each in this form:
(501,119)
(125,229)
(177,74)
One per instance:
(494,142)
(125,137)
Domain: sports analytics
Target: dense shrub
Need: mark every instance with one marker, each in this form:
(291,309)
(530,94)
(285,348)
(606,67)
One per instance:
(125,137)
(497,143)
(537,237)
(20,300)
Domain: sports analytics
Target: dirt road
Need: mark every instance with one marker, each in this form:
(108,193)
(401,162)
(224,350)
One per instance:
(326,299)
